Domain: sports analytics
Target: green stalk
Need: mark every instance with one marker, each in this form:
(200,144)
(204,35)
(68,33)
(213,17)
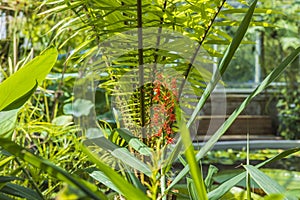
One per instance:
(248,183)
(163,180)
(141,64)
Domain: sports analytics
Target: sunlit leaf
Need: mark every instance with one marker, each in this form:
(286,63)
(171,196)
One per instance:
(18,87)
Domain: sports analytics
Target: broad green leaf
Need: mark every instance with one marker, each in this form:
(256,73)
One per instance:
(19,86)
(7,122)
(134,142)
(80,107)
(237,193)
(274,197)
(53,170)
(125,187)
(63,120)
(21,100)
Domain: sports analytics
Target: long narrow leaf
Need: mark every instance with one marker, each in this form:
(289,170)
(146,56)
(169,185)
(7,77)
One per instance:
(122,154)
(227,185)
(20,191)
(123,186)
(191,188)
(216,77)
(134,142)
(228,55)
(266,183)
(266,82)
(102,178)
(195,171)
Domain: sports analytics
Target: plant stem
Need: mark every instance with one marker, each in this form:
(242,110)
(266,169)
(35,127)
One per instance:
(141,65)
(59,91)
(190,65)
(48,117)
(163,185)
(248,183)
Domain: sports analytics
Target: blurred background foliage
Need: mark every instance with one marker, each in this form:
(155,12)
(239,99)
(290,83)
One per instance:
(44,124)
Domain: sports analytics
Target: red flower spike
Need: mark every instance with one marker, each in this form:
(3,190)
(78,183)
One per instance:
(172,117)
(170,140)
(156,98)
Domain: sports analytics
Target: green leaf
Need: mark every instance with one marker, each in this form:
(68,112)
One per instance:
(21,100)
(69,192)
(102,178)
(288,179)
(265,182)
(278,157)
(191,188)
(228,55)
(20,191)
(63,120)
(81,107)
(7,122)
(196,173)
(18,87)
(4,179)
(4,197)
(135,181)
(121,153)
(215,137)
(212,170)
(53,170)
(216,77)
(134,142)
(6,160)
(123,186)
(227,185)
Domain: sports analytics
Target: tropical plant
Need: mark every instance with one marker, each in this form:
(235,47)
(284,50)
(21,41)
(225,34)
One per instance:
(143,165)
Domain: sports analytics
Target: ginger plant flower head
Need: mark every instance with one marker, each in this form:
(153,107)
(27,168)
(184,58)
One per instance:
(163,116)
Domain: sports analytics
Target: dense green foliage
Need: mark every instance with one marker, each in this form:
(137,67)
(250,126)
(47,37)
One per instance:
(51,148)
